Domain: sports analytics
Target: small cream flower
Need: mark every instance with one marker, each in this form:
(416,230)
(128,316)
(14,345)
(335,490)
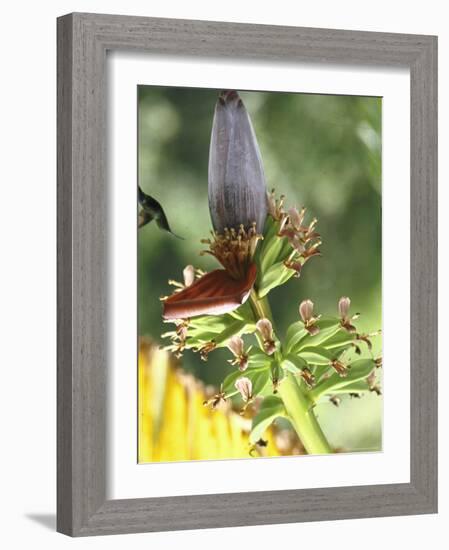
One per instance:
(265,329)
(189,275)
(343,309)
(299,236)
(276,207)
(296,218)
(236,346)
(371,379)
(306,312)
(340,368)
(245,387)
(308,377)
(373,384)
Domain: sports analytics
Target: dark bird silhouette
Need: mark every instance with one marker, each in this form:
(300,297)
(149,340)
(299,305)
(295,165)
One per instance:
(152,210)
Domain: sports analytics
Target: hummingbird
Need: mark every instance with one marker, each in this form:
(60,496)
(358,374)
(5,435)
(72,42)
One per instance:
(152,210)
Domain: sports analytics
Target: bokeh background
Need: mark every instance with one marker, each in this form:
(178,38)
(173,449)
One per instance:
(321,151)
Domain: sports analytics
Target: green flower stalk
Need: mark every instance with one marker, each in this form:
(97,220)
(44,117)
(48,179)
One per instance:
(260,245)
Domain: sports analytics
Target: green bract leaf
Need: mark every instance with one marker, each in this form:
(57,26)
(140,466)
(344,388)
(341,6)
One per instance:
(341,338)
(218,332)
(356,387)
(357,371)
(197,338)
(235,328)
(295,333)
(321,370)
(294,364)
(328,327)
(275,276)
(229,381)
(319,339)
(271,247)
(259,379)
(317,355)
(271,228)
(258,358)
(271,408)
(210,323)
(338,351)
(243,313)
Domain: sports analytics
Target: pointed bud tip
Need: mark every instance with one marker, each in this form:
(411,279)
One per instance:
(237,190)
(228,96)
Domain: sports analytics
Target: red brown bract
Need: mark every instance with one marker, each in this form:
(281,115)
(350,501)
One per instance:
(214,293)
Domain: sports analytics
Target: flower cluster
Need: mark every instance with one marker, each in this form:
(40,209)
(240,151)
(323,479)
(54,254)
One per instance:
(261,245)
(303,239)
(234,249)
(288,243)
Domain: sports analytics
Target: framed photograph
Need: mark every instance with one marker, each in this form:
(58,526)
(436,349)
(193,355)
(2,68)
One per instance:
(247,274)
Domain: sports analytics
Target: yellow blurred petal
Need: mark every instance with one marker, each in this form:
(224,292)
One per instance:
(174,424)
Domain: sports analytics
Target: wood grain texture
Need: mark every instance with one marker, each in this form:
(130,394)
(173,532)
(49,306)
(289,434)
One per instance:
(83,40)
(64,276)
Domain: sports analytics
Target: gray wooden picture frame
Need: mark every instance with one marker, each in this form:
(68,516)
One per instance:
(83,40)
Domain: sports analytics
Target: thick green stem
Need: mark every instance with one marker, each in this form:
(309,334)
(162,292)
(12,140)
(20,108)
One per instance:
(296,401)
(300,411)
(260,306)
(261,310)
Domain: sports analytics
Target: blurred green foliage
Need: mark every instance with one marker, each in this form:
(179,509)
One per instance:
(321,151)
